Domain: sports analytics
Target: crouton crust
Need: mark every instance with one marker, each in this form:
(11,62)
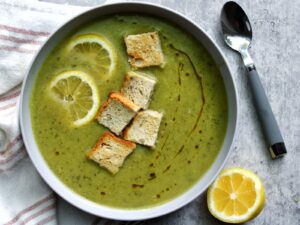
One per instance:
(130,74)
(126,130)
(109,135)
(102,108)
(125,101)
(120,98)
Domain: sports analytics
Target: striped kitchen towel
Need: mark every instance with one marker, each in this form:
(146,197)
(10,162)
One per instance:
(24,26)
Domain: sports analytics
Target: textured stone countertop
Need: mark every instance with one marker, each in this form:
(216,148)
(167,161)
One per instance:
(276,51)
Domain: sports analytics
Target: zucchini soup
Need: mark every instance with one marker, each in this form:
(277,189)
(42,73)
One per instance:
(189,95)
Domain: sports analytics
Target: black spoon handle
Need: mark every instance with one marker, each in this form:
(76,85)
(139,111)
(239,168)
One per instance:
(266,116)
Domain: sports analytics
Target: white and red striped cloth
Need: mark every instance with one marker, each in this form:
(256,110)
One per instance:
(24,25)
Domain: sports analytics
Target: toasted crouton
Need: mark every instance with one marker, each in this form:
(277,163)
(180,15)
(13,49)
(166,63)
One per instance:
(138,87)
(111,151)
(117,112)
(144,128)
(144,50)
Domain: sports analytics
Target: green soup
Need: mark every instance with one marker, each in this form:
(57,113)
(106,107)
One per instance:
(191,93)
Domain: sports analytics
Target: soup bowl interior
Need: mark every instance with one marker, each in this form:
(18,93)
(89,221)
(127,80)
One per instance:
(87,205)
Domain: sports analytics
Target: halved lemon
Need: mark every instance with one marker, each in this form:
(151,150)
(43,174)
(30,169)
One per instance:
(77,92)
(236,196)
(94,52)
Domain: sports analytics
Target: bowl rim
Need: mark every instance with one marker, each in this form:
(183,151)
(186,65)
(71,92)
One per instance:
(119,213)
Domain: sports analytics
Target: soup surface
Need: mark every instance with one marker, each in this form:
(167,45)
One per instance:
(190,92)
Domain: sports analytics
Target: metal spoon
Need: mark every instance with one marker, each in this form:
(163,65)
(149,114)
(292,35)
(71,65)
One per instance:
(237,34)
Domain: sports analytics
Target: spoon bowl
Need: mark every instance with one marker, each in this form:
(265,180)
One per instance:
(236,27)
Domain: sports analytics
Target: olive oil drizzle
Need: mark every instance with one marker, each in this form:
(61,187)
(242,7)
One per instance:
(200,79)
(179,70)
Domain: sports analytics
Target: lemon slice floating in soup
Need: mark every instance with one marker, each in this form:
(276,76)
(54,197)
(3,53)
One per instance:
(236,196)
(77,92)
(94,52)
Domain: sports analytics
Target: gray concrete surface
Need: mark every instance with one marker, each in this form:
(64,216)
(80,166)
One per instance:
(276,51)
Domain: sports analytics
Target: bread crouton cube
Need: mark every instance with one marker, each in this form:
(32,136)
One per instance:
(110,152)
(117,112)
(144,128)
(138,87)
(144,50)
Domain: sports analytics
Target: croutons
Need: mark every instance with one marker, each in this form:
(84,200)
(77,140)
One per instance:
(144,128)
(117,112)
(110,152)
(138,87)
(144,50)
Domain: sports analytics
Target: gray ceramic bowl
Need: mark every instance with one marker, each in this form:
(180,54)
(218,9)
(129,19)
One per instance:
(61,188)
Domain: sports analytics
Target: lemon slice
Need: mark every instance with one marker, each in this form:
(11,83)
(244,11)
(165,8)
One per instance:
(77,92)
(94,52)
(236,196)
